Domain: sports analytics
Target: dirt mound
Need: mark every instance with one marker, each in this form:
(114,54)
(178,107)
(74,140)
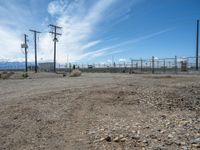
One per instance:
(75,73)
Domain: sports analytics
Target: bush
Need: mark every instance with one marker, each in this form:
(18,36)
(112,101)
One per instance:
(75,73)
(25,75)
(64,74)
(4,72)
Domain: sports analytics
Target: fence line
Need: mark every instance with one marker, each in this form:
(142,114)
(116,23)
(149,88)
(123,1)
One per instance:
(152,65)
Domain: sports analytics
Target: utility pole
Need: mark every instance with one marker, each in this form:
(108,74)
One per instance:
(197,46)
(35,41)
(25,46)
(54,32)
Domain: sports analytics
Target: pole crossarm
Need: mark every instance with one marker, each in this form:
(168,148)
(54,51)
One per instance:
(54,26)
(34,31)
(55,33)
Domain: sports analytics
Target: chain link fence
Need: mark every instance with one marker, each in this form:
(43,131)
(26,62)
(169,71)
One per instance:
(152,65)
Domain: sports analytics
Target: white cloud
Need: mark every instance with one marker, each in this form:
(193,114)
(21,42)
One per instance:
(122,60)
(91,44)
(56,7)
(156,58)
(79,21)
(10,43)
(78,26)
(14,22)
(142,38)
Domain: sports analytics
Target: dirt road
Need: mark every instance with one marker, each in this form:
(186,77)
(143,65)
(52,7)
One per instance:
(100,111)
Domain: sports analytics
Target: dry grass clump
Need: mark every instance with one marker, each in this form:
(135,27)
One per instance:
(75,73)
(25,75)
(6,75)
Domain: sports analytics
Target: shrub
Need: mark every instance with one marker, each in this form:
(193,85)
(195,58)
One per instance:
(4,72)
(64,74)
(25,75)
(75,73)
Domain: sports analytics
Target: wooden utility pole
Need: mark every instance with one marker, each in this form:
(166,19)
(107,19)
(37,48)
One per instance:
(25,46)
(197,46)
(35,41)
(54,32)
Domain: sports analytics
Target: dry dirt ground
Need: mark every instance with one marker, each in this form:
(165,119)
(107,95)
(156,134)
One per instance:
(100,111)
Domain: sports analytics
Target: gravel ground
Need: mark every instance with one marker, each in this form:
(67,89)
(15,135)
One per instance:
(100,111)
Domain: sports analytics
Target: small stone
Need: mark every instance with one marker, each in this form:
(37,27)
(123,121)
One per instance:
(185,148)
(116,139)
(145,143)
(159,147)
(159,139)
(136,137)
(163,116)
(153,136)
(195,141)
(100,140)
(108,139)
(146,127)
(179,143)
(167,142)
(92,132)
(123,139)
(196,146)
(16,117)
(170,136)
(38,119)
(134,132)
(162,131)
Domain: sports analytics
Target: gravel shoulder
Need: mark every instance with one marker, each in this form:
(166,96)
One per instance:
(100,111)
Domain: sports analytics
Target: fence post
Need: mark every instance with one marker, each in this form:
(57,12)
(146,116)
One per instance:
(175,64)
(124,67)
(70,67)
(114,67)
(141,64)
(153,71)
(131,65)
(164,66)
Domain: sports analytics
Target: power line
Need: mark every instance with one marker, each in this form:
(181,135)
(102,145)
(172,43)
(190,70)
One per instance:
(55,33)
(35,41)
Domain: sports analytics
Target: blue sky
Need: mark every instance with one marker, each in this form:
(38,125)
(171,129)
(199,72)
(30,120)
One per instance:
(99,30)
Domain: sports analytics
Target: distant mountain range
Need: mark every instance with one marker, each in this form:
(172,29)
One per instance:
(12,65)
